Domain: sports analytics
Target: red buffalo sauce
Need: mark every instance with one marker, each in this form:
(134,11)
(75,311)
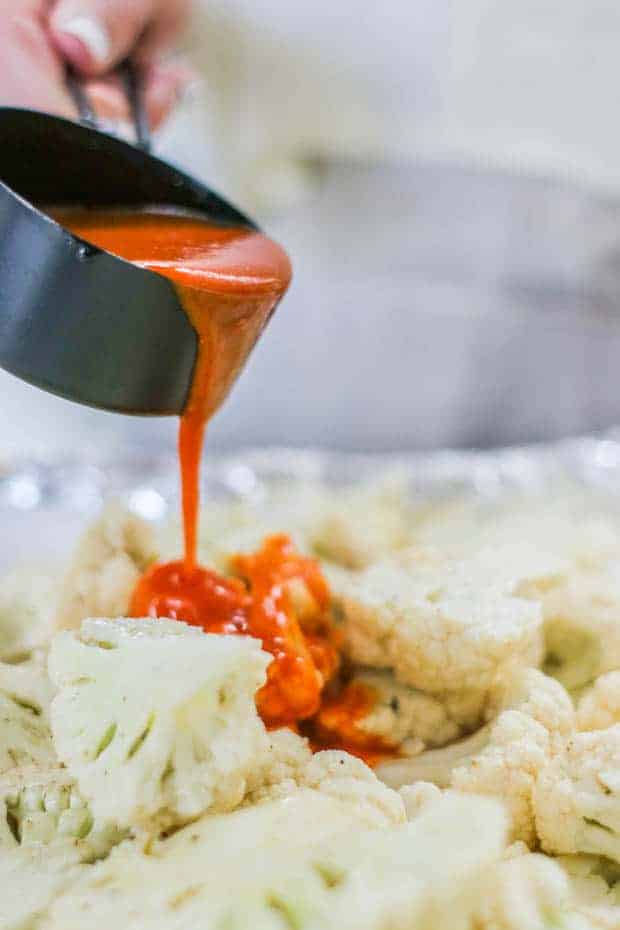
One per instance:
(229,280)
(337,724)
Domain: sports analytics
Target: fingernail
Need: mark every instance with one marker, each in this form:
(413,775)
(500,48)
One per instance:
(91,35)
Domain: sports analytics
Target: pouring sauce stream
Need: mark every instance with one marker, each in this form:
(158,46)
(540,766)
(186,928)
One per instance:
(228,279)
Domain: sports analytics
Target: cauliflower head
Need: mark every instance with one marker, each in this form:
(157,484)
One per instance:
(533,718)
(577,796)
(156,720)
(305,861)
(108,562)
(440,624)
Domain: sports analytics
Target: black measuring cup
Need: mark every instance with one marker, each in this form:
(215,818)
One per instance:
(74,319)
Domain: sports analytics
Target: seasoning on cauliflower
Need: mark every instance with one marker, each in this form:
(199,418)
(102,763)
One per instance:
(599,707)
(532,716)
(303,862)
(108,562)
(440,624)
(577,796)
(42,806)
(25,737)
(156,720)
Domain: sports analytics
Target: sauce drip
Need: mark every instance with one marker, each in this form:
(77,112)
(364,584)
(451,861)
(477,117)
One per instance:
(229,281)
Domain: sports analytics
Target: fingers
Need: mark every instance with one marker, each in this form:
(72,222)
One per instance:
(94,35)
(163,85)
(31,74)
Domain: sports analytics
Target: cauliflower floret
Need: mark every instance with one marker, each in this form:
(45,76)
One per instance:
(27,604)
(595,886)
(534,716)
(576,799)
(599,707)
(107,564)
(25,737)
(440,624)
(524,892)
(44,807)
(392,713)
(29,684)
(582,625)
(229,527)
(305,861)
(357,526)
(156,719)
(290,765)
(30,878)
(351,526)
(417,797)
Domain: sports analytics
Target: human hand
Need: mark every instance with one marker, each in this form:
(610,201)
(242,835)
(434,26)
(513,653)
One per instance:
(39,37)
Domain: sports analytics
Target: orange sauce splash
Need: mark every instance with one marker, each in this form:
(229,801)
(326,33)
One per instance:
(259,603)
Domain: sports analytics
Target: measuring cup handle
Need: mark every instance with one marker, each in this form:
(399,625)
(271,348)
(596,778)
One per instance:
(131,83)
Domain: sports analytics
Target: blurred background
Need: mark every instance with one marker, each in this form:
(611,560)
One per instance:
(446,177)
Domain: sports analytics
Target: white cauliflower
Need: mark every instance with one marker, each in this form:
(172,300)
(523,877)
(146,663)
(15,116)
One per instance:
(418,796)
(25,737)
(289,765)
(577,796)
(582,625)
(42,806)
(533,716)
(398,715)
(108,562)
(357,526)
(440,624)
(351,526)
(228,527)
(303,862)
(156,719)
(595,886)
(27,604)
(599,707)
(525,892)
(30,879)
